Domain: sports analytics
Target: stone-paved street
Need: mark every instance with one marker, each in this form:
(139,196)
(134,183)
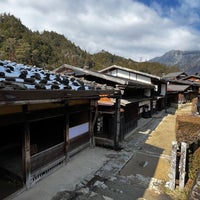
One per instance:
(138,171)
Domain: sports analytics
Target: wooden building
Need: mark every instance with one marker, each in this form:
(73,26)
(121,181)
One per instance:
(176,93)
(175,76)
(192,78)
(195,81)
(44,119)
(181,88)
(136,95)
(156,94)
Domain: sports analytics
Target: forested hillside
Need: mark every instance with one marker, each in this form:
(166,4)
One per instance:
(50,50)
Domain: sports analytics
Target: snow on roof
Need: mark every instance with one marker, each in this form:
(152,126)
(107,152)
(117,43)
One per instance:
(21,77)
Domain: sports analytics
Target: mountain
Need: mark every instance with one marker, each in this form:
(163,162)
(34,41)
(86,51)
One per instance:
(50,50)
(46,49)
(188,61)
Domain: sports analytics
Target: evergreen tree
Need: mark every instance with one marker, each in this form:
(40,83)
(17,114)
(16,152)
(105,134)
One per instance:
(51,50)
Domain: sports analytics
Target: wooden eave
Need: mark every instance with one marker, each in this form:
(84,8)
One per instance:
(97,74)
(137,85)
(21,97)
(124,83)
(126,101)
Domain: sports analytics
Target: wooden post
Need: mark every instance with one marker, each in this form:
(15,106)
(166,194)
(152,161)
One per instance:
(26,153)
(182,165)
(93,118)
(172,174)
(90,123)
(165,98)
(117,123)
(66,133)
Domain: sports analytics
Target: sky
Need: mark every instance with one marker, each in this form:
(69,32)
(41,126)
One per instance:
(135,29)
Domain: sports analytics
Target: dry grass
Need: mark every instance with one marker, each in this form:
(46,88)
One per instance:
(162,138)
(188,128)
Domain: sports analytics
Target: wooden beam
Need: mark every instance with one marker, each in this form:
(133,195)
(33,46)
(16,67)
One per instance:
(66,133)
(104,141)
(93,118)
(26,153)
(45,114)
(31,116)
(12,119)
(117,123)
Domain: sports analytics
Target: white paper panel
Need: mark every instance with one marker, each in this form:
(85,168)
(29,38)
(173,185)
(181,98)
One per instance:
(78,130)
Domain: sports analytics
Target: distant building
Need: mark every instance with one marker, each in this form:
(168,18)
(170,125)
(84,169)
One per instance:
(181,88)
(175,76)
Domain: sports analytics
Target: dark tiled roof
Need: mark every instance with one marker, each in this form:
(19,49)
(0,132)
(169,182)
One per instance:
(191,76)
(15,76)
(21,84)
(177,88)
(184,82)
(174,75)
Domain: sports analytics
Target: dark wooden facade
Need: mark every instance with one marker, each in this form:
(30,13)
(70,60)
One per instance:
(40,132)
(151,90)
(181,87)
(129,118)
(107,127)
(179,92)
(45,118)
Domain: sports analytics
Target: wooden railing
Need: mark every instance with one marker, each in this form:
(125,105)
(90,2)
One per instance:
(43,158)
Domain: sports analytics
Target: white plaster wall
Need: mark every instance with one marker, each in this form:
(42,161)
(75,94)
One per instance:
(122,74)
(147,92)
(156,88)
(113,73)
(133,76)
(78,130)
(163,89)
(143,79)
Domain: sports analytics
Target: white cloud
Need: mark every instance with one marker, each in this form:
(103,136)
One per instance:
(126,28)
